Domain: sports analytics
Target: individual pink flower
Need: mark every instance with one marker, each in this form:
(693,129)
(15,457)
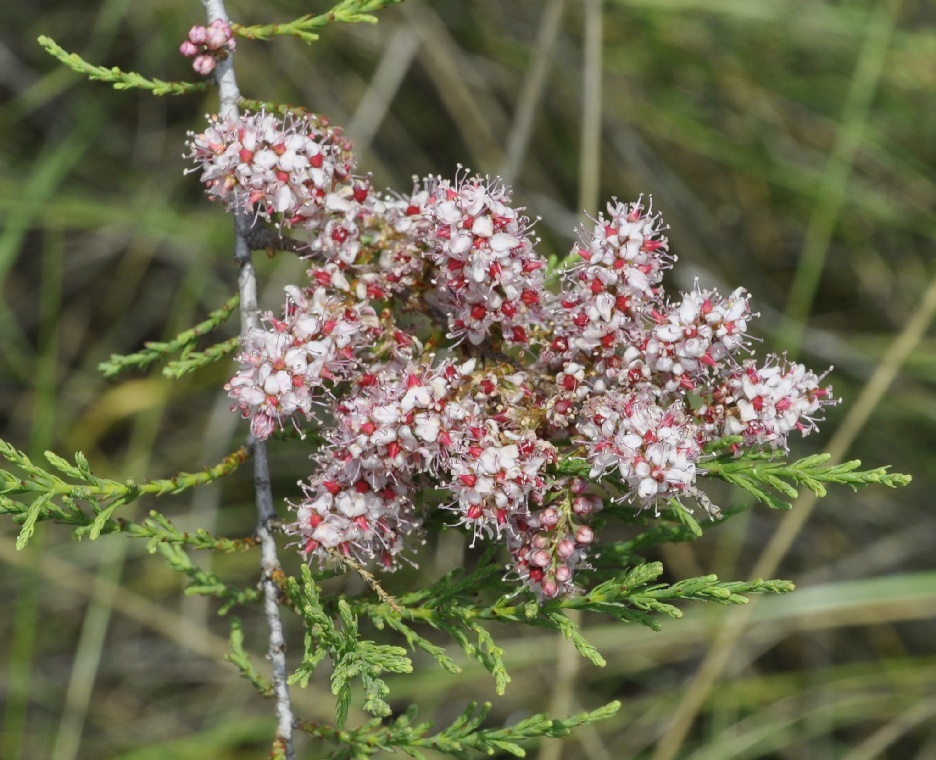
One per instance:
(204,64)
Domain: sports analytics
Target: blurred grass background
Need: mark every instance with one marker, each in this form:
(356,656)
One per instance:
(790,146)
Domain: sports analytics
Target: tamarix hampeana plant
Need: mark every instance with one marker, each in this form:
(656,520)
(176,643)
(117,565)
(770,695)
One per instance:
(446,374)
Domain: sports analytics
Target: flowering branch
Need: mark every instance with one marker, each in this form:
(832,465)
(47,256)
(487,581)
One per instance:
(444,372)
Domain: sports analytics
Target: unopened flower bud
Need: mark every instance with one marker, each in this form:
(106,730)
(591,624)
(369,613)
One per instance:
(582,505)
(204,64)
(584,534)
(540,558)
(566,548)
(198,34)
(550,589)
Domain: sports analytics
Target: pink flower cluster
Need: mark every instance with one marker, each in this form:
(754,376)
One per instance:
(450,369)
(487,272)
(280,170)
(320,341)
(207,45)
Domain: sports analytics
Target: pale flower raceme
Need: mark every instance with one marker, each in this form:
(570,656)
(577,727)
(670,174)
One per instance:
(278,169)
(403,418)
(622,263)
(486,269)
(319,342)
(448,371)
(693,338)
(372,238)
(765,404)
(654,449)
(494,474)
(355,518)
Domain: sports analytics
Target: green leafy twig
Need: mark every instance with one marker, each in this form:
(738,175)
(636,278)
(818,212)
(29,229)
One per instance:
(345,12)
(58,499)
(205,583)
(629,597)
(451,605)
(416,641)
(353,657)
(194,360)
(184,342)
(756,473)
(461,740)
(121,80)
(244,664)
(160,530)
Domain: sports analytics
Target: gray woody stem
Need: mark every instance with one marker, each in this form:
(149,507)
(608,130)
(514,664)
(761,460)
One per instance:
(266,514)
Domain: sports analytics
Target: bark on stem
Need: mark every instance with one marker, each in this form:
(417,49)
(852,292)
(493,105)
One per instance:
(266,514)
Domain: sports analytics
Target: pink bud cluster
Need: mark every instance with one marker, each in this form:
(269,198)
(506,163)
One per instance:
(207,45)
(453,371)
(552,542)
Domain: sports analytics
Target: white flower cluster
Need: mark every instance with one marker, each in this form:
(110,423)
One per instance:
(623,260)
(402,420)
(770,402)
(354,518)
(494,476)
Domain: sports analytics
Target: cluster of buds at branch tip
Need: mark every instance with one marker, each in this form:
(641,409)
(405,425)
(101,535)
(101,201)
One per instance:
(449,372)
(206,45)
